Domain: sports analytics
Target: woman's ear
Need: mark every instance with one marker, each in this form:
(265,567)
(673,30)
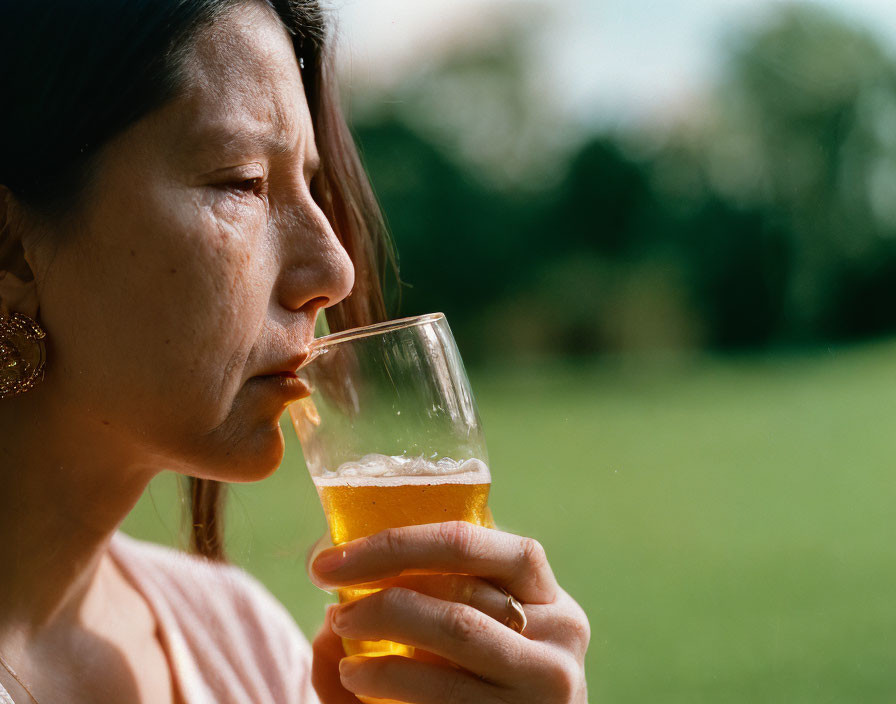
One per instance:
(18,291)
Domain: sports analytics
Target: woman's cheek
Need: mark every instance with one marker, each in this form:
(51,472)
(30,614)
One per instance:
(230,290)
(245,212)
(240,269)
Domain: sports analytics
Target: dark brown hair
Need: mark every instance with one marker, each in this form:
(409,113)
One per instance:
(73,75)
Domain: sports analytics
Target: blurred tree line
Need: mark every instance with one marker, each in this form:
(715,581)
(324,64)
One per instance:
(768,217)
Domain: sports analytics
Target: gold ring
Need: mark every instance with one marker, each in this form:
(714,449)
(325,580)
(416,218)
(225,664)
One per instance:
(516,620)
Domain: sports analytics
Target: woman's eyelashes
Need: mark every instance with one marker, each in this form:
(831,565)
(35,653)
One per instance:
(242,187)
(247,185)
(258,184)
(248,178)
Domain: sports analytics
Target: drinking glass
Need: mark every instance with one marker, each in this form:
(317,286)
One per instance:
(391,436)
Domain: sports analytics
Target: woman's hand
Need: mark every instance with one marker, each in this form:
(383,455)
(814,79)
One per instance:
(476,658)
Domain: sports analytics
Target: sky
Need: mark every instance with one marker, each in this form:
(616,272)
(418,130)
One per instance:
(606,61)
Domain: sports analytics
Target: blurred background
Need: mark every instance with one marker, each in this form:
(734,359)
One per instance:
(664,234)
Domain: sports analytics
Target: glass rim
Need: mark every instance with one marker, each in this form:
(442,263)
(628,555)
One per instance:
(336,338)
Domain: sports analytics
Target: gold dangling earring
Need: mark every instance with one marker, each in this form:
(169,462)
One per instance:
(22,354)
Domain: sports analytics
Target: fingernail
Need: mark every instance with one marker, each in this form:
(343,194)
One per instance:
(330,560)
(337,617)
(348,667)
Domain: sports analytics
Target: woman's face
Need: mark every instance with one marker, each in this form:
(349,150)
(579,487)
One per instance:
(198,268)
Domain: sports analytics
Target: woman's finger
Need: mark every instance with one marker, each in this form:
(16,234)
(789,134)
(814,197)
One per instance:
(453,631)
(327,649)
(479,593)
(515,563)
(562,623)
(323,543)
(398,678)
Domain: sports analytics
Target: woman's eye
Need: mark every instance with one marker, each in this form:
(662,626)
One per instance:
(247,185)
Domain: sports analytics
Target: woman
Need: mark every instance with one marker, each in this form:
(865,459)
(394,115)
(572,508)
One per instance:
(178,201)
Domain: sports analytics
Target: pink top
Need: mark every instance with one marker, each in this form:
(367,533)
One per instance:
(228,639)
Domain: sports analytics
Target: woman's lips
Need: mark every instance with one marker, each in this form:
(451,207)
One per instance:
(287,383)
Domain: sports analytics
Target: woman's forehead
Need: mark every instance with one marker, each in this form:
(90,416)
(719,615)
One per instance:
(242,88)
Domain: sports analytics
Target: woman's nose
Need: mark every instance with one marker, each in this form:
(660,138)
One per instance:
(316,266)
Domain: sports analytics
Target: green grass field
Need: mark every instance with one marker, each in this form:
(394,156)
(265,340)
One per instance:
(727,525)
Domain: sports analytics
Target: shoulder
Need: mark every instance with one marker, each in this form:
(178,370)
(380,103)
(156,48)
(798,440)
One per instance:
(220,606)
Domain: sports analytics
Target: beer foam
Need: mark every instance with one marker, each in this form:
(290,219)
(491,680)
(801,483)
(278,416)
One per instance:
(385,470)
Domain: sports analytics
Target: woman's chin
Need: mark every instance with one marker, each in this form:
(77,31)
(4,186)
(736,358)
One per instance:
(252,459)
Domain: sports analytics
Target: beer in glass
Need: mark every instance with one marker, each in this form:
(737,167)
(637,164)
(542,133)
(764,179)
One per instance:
(391,436)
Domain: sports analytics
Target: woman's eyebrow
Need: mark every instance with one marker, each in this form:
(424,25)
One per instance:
(220,139)
(215,139)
